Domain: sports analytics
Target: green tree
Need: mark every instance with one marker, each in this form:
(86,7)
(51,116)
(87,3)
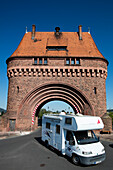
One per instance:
(2,113)
(42,111)
(111,115)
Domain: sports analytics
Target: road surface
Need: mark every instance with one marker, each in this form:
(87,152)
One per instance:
(28,153)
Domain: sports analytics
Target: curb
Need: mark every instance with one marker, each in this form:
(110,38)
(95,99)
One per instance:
(5,135)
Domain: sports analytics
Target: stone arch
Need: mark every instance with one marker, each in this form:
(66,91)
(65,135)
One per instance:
(55,91)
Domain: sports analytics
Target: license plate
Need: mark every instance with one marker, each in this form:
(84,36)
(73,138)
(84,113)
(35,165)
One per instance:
(97,162)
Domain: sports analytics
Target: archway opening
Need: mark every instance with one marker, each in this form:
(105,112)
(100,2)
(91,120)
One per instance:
(56,106)
(53,107)
(49,92)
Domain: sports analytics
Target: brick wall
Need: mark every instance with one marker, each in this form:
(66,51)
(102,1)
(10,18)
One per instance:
(24,76)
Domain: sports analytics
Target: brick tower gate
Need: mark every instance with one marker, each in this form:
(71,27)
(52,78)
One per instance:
(49,66)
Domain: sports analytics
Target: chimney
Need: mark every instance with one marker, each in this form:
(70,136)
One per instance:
(80,32)
(33,31)
(89,30)
(57,30)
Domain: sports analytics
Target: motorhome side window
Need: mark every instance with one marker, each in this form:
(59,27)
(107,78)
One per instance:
(68,121)
(58,129)
(48,125)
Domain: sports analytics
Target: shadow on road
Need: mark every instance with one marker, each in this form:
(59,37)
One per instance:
(111,145)
(38,139)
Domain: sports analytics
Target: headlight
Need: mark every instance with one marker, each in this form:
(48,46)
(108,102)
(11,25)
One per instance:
(86,153)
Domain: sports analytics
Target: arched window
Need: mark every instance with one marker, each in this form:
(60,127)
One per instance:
(95,90)
(17,89)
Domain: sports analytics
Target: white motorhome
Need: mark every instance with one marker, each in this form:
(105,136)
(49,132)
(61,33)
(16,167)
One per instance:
(73,135)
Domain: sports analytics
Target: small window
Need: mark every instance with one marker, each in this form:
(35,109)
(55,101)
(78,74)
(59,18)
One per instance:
(40,60)
(72,61)
(78,61)
(67,61)
(51,48)
(68,121)
(45,60)
(56,48)
(58,129)
(95,90)
(35,60)
(17,89)
(62,48)
(48,125)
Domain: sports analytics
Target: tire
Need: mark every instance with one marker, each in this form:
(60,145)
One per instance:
(75,159)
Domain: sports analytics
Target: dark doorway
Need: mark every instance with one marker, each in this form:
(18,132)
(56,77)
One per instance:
(40,122)
(12,124)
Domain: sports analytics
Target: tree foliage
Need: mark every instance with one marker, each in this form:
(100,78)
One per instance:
(44,111)
(111,115)
(1,113)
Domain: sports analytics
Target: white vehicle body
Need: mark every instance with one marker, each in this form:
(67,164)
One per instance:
(74,136)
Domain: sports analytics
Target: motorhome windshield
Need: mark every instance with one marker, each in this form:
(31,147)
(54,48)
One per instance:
(85,137)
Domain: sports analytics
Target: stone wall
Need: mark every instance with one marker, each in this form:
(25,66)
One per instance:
(24,76)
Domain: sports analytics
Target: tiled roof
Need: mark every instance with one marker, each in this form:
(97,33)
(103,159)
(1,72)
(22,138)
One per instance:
(75,47)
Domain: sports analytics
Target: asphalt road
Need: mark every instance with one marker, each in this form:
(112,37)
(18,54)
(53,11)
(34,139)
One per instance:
(28,153)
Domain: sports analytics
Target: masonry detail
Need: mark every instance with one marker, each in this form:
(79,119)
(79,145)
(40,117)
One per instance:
(60,72)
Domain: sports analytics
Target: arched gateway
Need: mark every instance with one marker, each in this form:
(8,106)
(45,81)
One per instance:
(48,66)
(41,95)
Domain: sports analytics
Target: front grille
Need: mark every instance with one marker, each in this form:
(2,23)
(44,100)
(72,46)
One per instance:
(97,158)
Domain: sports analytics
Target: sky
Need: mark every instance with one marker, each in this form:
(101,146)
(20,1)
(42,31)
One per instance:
(15,15)
(61,106)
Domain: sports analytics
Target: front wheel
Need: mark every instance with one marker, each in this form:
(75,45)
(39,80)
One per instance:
(75,159)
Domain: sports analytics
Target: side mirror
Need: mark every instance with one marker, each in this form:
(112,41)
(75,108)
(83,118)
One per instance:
(98,138)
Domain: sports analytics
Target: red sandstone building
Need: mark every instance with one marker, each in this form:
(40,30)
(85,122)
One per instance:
(48,66)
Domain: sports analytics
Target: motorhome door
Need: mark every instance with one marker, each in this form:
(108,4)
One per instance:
(69,142)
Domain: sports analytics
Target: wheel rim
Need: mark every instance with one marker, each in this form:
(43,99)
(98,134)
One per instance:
(75,159)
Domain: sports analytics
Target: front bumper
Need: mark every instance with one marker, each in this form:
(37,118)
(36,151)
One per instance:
(92,160)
